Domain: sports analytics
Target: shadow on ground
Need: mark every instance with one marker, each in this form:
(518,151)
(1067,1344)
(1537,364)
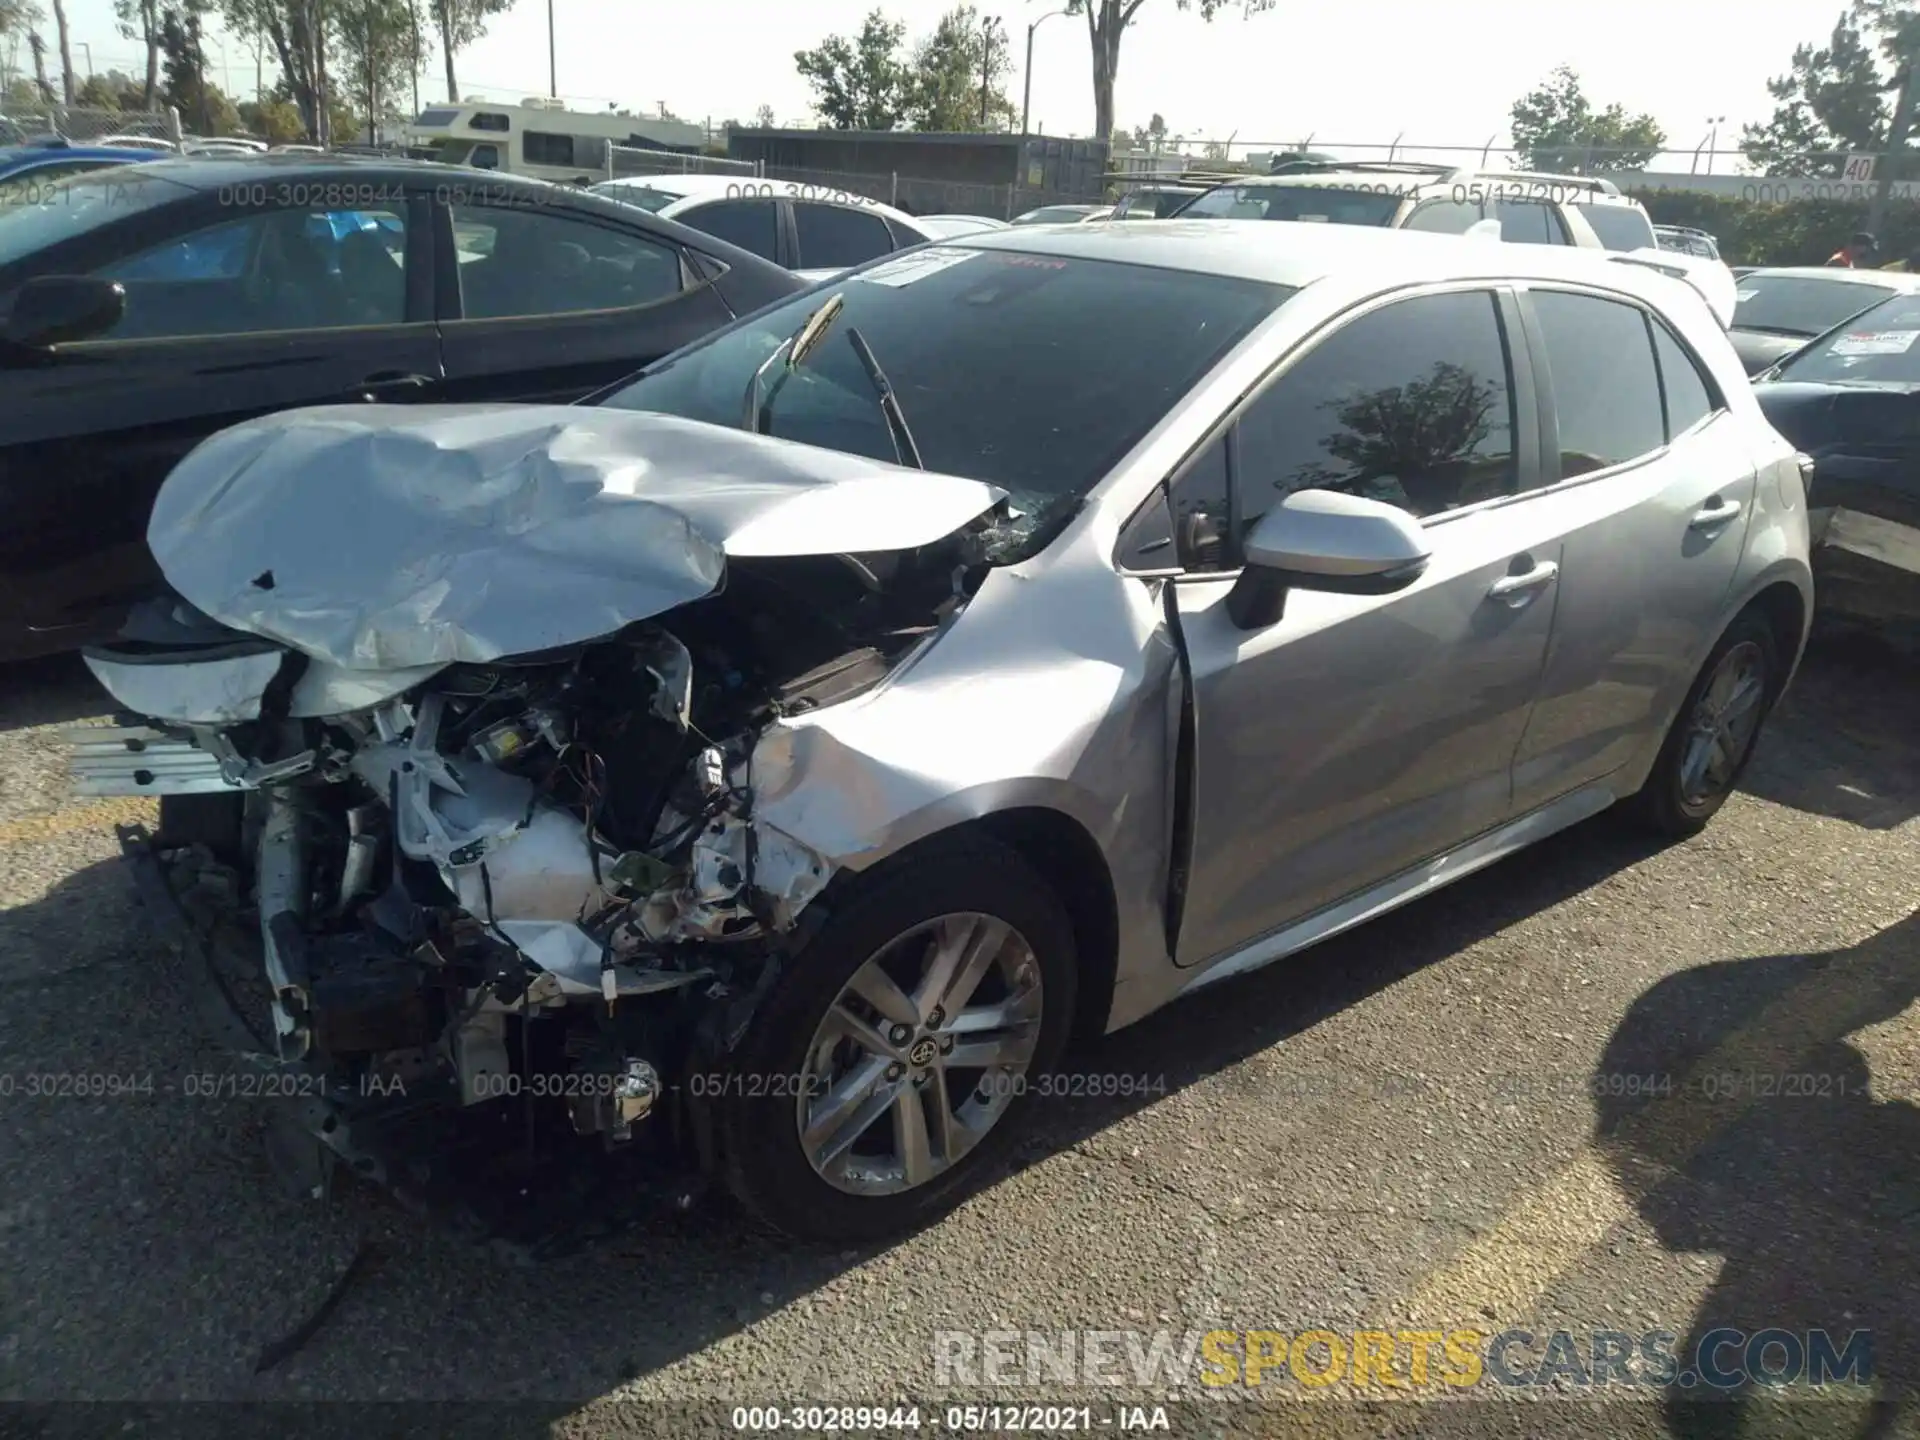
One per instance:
(150,1257)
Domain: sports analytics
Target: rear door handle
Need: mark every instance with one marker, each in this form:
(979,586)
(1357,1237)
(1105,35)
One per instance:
(1714,512)
(1514,587)
(390,382)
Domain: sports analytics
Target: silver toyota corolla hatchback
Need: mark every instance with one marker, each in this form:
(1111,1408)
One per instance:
(767,767)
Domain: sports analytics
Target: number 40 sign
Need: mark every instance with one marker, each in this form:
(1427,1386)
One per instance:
(1859,169)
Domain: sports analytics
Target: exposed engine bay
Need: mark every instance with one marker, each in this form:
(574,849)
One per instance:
(523,903)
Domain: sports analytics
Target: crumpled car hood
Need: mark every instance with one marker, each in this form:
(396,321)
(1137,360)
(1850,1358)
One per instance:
(380,536)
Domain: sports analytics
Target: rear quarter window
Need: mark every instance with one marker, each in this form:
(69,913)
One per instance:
(1619,227)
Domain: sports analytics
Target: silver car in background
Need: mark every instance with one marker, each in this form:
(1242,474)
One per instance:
(782,759)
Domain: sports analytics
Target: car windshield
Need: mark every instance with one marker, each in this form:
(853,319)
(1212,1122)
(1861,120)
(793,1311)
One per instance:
(1800,304)
(1035,373)
(644,196)
(1876,348)
(63,209)
(1361,204)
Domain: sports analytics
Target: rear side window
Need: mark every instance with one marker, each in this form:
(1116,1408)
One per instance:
(1605,386)
(1689,394)
(838,237)
(1327,204)
(1620,227)
(751,224)
(1528,222)
(1411,404)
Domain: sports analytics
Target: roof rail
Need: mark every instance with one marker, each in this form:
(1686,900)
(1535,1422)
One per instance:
(1307,167)
(1566,182)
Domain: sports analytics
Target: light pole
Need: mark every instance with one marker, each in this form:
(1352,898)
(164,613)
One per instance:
(1713,137)
(1026,98)
(553,65)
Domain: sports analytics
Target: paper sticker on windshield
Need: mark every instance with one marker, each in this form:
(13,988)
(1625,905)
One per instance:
(1745,294)
(1876,342)
(915,265)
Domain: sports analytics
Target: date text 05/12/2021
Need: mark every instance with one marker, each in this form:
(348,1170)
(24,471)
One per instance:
(989,1419)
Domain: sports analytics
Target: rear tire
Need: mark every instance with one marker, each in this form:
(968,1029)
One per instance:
(771,1085)
(1704,755)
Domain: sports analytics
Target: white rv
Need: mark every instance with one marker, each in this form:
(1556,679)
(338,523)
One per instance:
(541,137)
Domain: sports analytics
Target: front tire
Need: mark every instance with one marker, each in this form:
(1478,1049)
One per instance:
(1712,739)
(890,1063)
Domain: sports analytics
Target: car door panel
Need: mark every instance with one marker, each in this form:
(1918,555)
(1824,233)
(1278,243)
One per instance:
(1359,735)
(102,423)
(557,356)
(1652,551)
(1362,734)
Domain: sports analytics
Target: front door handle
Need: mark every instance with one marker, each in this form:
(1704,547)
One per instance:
(1517,589)
(1715,512)
(391,382)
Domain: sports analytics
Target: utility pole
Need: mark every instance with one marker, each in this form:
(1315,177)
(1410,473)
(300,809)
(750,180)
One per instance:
(373,100)
(413,19)
(553,64)
(1026,98)
(986,66)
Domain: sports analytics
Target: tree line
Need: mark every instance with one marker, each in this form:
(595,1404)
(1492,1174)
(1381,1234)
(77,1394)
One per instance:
(341,63)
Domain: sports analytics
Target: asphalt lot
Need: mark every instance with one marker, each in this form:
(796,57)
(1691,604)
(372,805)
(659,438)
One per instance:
(1411,1126)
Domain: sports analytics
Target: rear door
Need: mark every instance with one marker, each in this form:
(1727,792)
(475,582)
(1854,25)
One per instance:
(543,303)
(837,237)
(1655,490)
(757,224)
(229,315)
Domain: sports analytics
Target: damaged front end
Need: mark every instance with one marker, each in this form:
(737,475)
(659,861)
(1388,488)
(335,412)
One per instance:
(510,911)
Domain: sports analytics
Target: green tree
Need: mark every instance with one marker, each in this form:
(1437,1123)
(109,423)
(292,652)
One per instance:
(763,118)
(1556,129)
(1107,21)
(1833,99)
(461,23)
(275,121)
(298,32)
(1151,137)
(947,70)
(140,20)
(859,83)
(374,45)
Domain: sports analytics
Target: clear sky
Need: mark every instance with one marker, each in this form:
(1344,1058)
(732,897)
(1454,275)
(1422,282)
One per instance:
(1353,73)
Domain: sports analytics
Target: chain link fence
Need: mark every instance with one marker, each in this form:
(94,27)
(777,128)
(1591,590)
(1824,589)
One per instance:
(84,126)
(628,162)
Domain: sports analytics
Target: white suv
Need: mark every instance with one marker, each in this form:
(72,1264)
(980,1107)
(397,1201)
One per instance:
(1516,206)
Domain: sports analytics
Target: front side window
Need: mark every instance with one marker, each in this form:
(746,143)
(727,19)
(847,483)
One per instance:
(272,270)
(1528,222)
(1325,204)
(1411,404)
(1606,390)
(1445,217)
(78,204)
(753,225)
(1034,373)
(520,261)
(1875,348)
(838,237)
(1619,227)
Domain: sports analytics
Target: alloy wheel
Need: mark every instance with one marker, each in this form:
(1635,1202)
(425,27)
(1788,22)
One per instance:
(1723,725)
(920,1055)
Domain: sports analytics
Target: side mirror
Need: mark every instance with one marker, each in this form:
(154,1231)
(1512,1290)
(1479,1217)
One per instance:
(59,309)
(1323,540)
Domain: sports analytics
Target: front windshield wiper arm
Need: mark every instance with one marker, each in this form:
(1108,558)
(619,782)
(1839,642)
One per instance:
(904,450)
(757,413)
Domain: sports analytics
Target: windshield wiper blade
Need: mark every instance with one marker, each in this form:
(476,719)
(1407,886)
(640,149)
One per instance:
(758,412)
(904,450)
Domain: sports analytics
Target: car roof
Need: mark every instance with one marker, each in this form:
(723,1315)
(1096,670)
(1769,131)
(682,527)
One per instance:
(1297,253)
(12,155)
(707,187)
(1584,190)
(211,172)
(1846,275)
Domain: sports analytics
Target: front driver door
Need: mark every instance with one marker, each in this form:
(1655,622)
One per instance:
(1361,735)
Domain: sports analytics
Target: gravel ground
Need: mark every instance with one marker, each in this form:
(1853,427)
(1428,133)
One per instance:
(1435,1122)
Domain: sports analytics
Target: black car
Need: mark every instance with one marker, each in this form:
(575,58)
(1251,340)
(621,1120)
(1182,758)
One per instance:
(145,307)
(1777,310)
(1850,401)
